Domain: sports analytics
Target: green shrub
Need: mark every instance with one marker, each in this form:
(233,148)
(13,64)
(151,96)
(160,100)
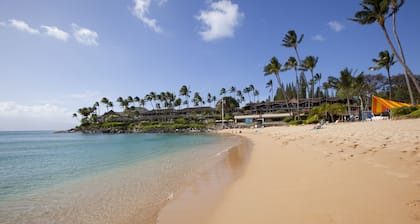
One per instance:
(288,119)
(312,120)
(402,111)
(296,122)
(180,121)
(414,114)
(113,124)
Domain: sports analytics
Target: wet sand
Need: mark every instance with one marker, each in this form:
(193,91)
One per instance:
(365,172)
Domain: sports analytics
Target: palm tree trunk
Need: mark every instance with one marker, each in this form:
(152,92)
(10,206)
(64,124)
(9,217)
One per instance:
(390,84)
(406,69)
(397,38)
(348,105)
(284,92)
(297,94)
(312,89)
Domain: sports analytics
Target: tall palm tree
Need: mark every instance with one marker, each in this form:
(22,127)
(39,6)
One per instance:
(385,60)
(292,63)
(309,63)
(232,90)
(197,99)
(209,98)
(96,107)
(291,40)
(343,85)
(185,92)
(378,11)
(274,67)
(130,100)
(247,90)
(110,105)
(222,92)
(270,90)
(137,99)
(178,103)
(317,78)
(105,101)
(240,96)
(256,93)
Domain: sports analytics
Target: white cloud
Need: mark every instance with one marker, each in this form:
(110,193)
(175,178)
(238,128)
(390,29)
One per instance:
(141,11)
(318,37)
(336,26)
(22,26)
(84,35)
(15,116)
(220,20)
(54,32)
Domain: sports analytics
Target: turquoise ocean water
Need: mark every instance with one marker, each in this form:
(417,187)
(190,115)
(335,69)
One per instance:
(77,178)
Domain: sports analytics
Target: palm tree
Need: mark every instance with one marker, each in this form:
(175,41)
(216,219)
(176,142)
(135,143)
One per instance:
(240,96)
(378,11)
(247,90)
(209,98)
(270,86)
(309,63)
(343,85)
(256,93)
(105,101)
(142,102)
(96,107)
(178,103)
(232,90)
(130,100)
(137,99)
(291,40)
(222,92)
(185,92)
(197,99)
(214,99)
(274,67)
(110,105)
(292,63)
(317,78)
(384,61)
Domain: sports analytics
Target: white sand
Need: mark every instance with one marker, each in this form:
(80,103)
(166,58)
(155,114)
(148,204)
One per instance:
(347,173)
(366,172)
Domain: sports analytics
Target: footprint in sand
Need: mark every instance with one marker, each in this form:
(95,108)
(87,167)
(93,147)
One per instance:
(414,203)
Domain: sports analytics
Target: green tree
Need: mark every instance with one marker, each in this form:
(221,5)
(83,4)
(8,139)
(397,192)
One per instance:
(185,92)
(309,63)
(385,60)
(197,99)
(291,63)
(222,92)
(274,67)
(343,85)
(269,85)
(291,40)
(230,104)
(105,101)
(232,90)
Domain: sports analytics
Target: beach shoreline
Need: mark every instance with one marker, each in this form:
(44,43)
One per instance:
(361,172)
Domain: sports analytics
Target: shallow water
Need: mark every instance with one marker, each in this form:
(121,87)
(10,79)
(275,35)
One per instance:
(75,178)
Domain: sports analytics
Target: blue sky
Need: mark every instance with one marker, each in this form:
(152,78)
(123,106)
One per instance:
(58,56)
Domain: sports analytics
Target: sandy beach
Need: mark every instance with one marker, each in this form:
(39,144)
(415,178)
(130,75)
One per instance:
(364,172)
